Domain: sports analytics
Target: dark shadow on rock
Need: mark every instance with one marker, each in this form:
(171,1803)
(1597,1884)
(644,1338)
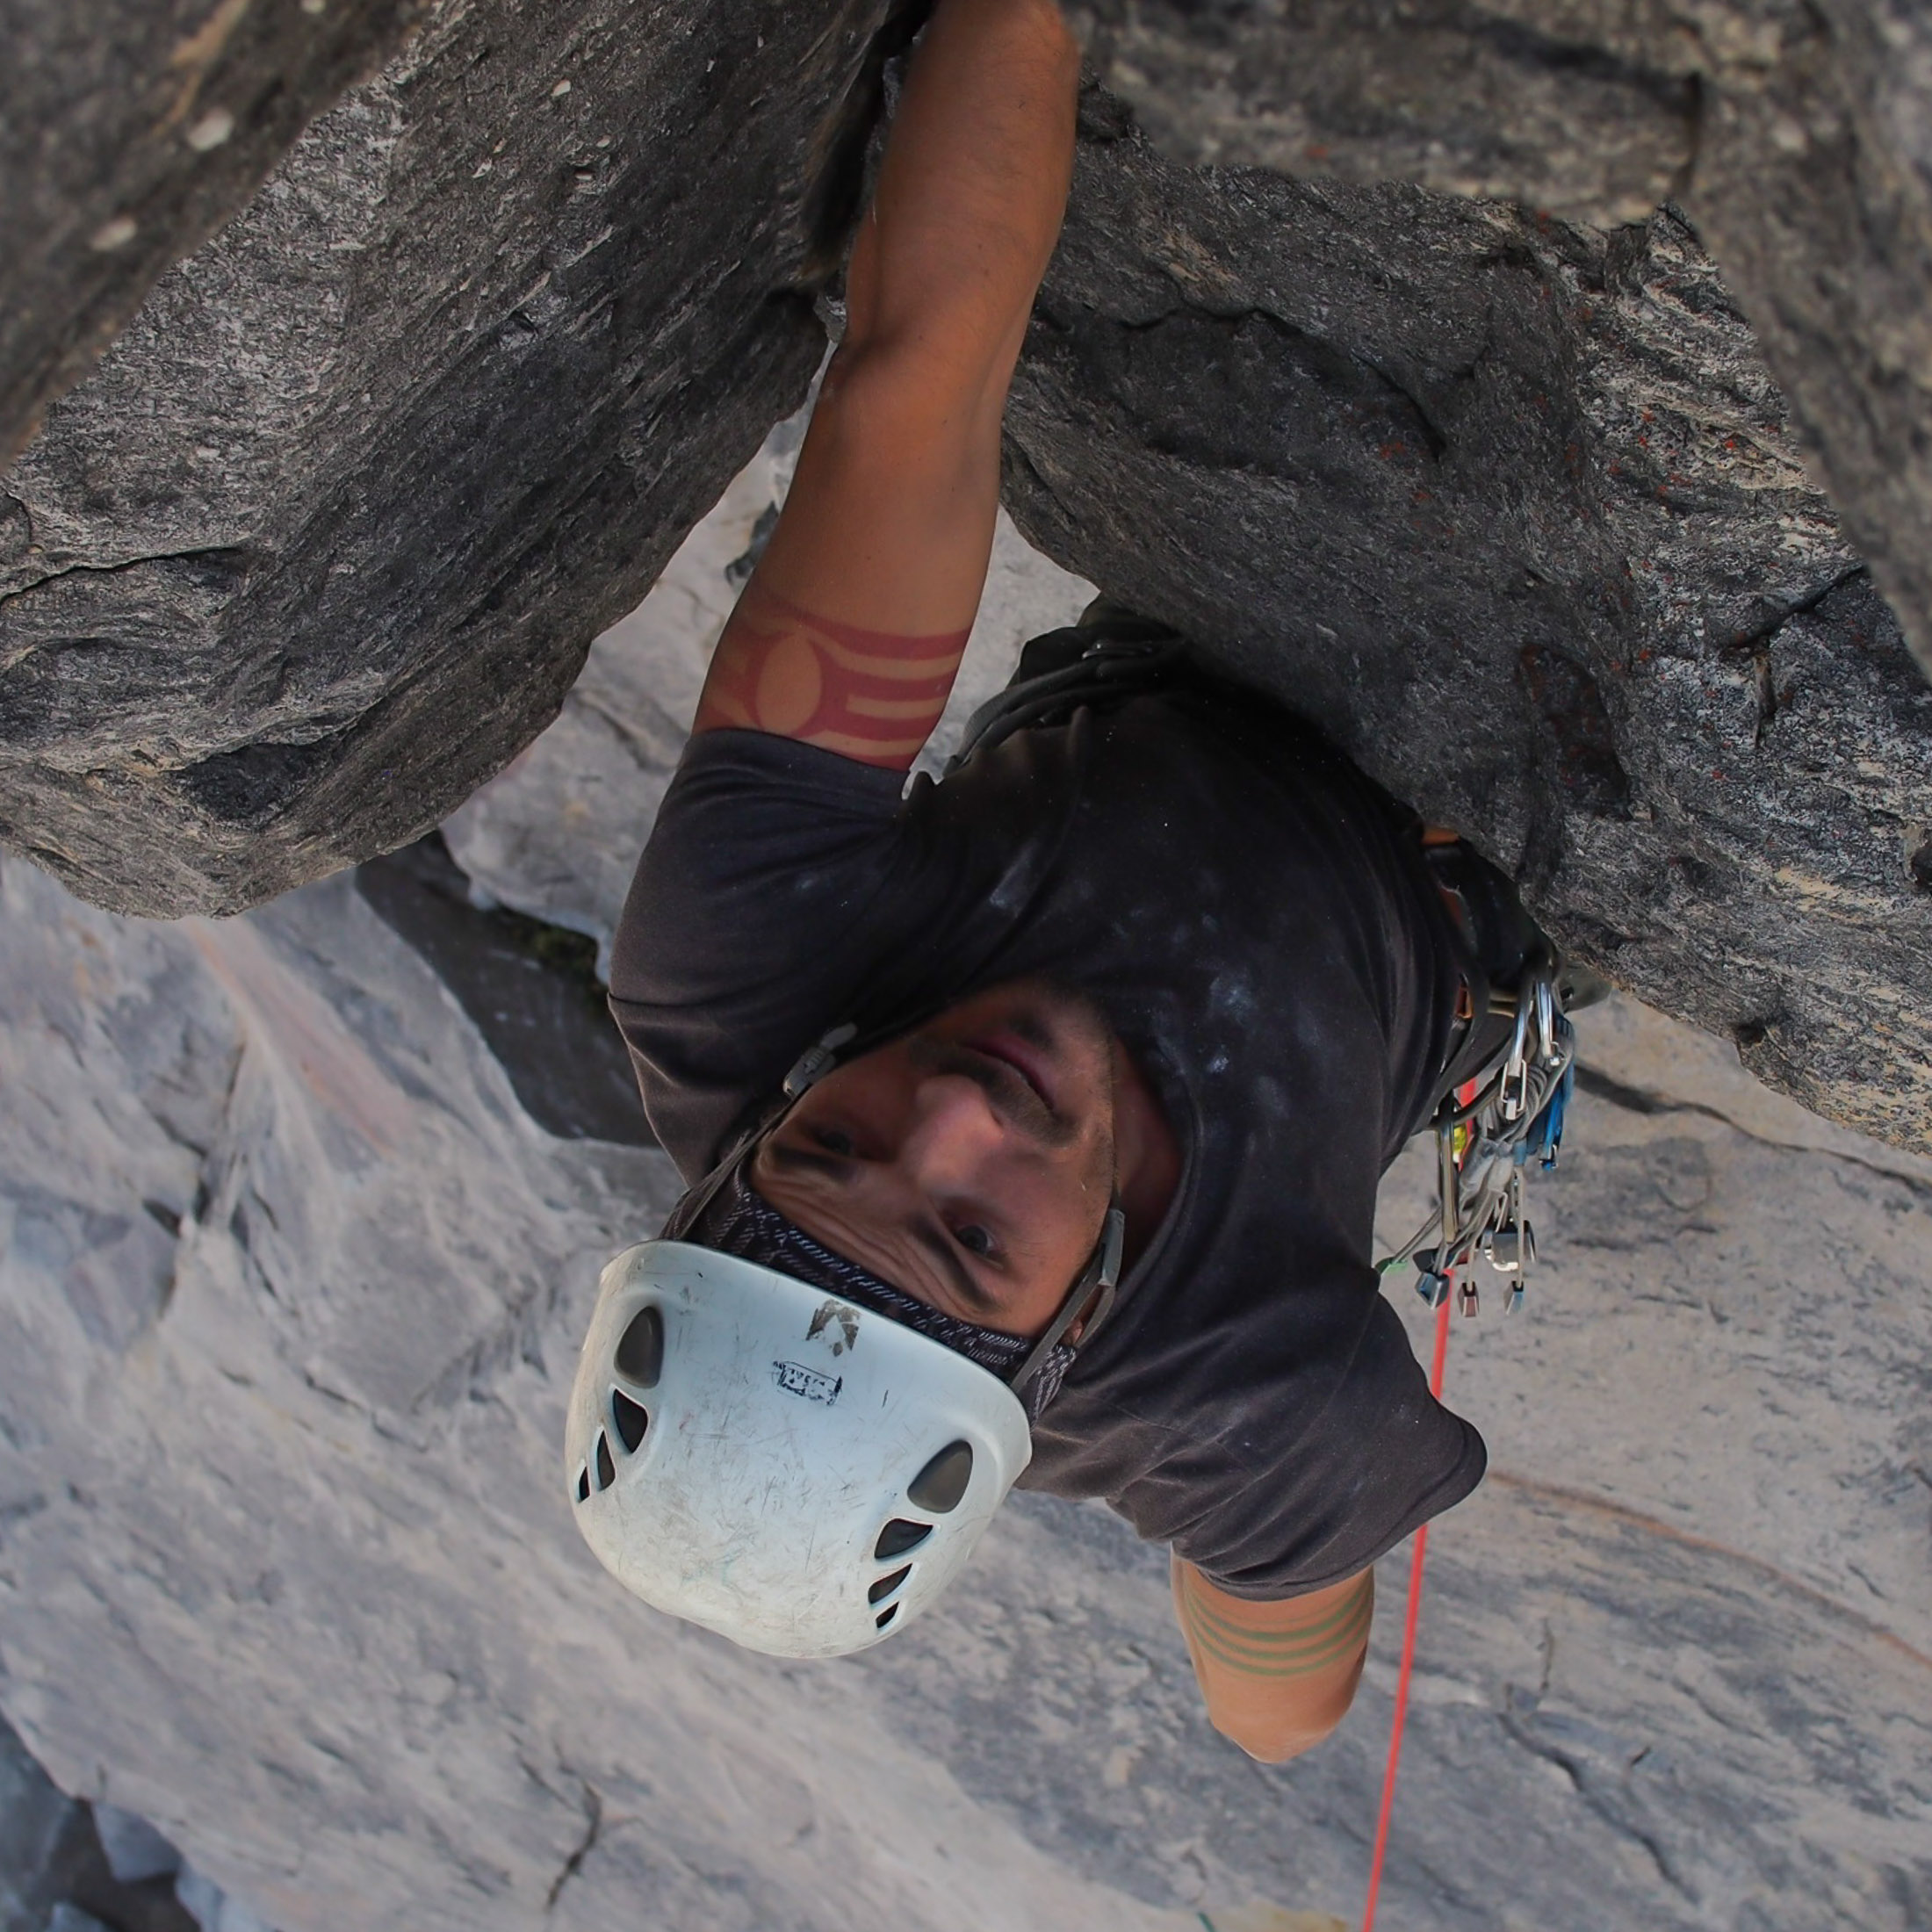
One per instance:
(530,988)
(51,1855)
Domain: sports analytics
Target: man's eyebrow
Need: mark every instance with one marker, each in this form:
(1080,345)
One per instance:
(971,1290)
(831,1165)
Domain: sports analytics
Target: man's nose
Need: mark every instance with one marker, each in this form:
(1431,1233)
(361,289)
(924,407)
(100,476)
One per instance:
(954,1125)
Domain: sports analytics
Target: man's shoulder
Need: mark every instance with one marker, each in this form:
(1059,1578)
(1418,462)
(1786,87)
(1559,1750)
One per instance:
(1278,1458)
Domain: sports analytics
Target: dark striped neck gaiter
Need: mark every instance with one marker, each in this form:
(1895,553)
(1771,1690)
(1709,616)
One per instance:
(740,1220)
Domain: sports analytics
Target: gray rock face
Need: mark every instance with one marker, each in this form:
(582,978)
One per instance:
(1798,137)
(322,542)
(290,1292)
(1514,511)
(339,1596)
(64,1865)
(1513,507)
(292,1268)
(128,133)
(290,1284)
(557,834)
(1586,109)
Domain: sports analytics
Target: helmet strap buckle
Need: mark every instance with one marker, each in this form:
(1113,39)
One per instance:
(818,1060)
(1095,1286)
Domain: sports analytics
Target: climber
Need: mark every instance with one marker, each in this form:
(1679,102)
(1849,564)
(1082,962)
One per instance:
(1033,1118)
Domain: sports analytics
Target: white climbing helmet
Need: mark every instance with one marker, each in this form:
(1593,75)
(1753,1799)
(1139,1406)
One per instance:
(800,1474)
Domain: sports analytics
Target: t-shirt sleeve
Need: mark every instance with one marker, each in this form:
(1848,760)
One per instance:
(761,894)
(1381,1459)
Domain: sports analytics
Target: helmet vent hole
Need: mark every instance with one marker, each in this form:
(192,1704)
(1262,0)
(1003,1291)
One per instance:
(583,1486)
(607,1470)
(886,1615)
(886,1585)
(632,1421)
(640,1354)
(940,1485)
(899,1536)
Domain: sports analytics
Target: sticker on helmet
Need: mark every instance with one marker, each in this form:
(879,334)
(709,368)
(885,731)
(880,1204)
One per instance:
(834,1316)
(796,1379)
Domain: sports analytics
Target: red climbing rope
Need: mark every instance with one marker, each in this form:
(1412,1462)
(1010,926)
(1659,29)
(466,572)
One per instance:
(1408,1644)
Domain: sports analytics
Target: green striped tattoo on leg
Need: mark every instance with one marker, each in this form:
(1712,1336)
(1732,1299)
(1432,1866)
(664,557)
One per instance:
(1331,1640)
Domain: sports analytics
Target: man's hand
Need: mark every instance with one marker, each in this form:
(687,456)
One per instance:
(850,632)
(1277,1677)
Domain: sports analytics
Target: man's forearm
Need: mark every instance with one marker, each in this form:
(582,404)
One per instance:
(972,188)
(850,632)
(903,457)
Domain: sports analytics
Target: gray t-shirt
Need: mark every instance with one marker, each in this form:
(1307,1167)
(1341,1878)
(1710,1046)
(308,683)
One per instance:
(1257,923)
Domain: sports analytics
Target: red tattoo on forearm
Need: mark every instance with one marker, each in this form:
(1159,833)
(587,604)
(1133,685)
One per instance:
(873,695)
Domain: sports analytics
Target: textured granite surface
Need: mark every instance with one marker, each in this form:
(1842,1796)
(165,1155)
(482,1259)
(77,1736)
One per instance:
(322,543)
(1513,507)
(290,1284)
(128,133)
(1799,138)
(1515,511)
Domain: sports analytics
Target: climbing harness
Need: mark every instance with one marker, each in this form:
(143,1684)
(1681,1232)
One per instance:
(1497,1115)
(1108,657)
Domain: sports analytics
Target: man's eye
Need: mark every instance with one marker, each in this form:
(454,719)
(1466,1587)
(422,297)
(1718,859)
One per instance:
(833,1142)
(974,1239)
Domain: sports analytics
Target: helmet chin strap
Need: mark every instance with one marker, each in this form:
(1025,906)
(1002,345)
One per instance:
(1096,1283)
(807,1070)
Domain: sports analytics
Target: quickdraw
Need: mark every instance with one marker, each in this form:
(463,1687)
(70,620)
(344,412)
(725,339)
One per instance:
(1487,1131)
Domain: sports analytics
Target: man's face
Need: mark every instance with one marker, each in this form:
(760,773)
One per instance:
(971,1162)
